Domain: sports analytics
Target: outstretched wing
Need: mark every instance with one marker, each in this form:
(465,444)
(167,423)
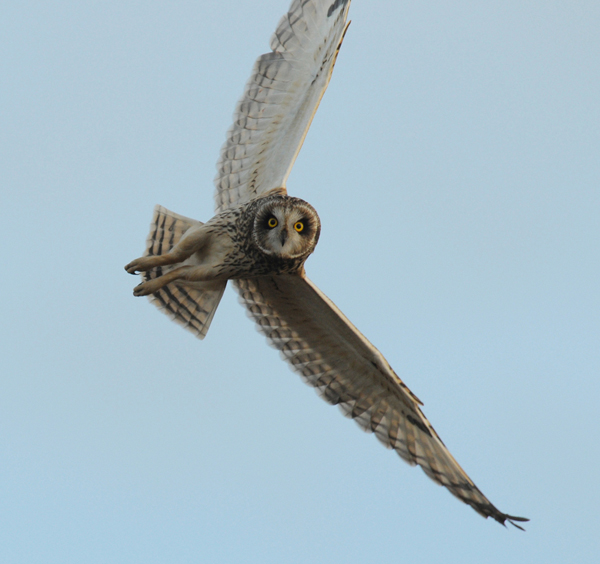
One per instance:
(279,101)
(329,353)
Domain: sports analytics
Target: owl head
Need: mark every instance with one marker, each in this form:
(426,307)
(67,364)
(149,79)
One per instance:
(286,227)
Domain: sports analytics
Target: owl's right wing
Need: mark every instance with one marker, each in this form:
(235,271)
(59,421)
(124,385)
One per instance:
(280,99)
(330,354)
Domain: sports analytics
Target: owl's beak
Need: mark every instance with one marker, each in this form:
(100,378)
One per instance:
(283,237)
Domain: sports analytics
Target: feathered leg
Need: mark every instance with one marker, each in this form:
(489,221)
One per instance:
(191,304)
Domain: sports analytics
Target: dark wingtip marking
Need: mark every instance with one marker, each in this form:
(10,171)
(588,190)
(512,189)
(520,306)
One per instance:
(335,6)
(511,519)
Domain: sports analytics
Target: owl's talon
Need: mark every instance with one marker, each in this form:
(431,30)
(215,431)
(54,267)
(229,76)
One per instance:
(131,268)
(143,289)
(139,265)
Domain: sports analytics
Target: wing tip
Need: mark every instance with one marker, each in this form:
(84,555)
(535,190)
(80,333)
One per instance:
(511,519)
(502,518)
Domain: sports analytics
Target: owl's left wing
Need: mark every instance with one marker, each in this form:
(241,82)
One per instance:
(329,353)
(279,101)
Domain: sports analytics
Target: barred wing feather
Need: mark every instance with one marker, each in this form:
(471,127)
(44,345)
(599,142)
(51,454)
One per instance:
(331,355)
(279,101)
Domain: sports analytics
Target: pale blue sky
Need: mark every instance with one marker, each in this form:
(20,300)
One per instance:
(454,162)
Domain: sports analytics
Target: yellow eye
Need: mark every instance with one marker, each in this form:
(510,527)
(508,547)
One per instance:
(272,222)
(298,226)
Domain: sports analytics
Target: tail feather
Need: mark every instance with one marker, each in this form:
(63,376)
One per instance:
(190,304)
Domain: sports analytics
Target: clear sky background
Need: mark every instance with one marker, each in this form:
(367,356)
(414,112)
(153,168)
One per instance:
(454,162)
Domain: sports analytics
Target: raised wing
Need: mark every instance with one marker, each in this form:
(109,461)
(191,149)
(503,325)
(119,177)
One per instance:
(331,355)
(279,101)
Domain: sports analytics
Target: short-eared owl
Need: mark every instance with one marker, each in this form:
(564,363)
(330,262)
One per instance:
(260,238)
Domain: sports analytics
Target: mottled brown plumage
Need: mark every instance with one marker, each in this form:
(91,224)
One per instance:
(236,243)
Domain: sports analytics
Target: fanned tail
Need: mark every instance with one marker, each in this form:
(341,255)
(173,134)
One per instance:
(191,304)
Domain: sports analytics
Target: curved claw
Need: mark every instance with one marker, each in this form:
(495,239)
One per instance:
(140,265)
(132,267)
(144,289)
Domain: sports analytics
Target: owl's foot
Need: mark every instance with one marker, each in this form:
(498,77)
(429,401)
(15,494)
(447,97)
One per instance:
(149,287)
(143,264)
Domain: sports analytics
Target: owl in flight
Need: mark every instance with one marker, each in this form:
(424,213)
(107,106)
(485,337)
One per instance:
(260,238)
